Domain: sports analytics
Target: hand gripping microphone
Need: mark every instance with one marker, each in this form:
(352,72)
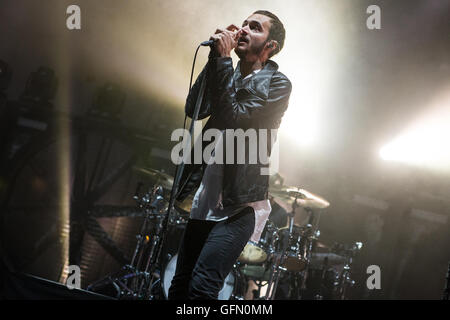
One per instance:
(207,43)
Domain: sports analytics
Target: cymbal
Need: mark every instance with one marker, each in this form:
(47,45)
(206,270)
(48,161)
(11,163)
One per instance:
(156,176)
(303,197)
(320,244)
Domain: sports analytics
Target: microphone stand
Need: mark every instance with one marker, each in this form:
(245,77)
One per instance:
(175,188)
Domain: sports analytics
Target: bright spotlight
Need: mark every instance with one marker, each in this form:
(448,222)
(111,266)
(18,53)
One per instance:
(426,142)
(311,65)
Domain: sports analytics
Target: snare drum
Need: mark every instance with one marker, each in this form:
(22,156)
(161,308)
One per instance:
(253,254)
(298,247)
(257,253)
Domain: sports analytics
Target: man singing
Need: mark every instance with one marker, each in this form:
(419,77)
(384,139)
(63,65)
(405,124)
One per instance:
(231,203)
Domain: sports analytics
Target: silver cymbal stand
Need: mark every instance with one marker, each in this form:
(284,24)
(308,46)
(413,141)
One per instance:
(277,267)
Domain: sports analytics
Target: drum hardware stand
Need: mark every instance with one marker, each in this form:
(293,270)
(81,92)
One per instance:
(151,259)
(238,291)
(240,278)
(132,273)
(310,234)
(141,278)
(320,294)
(277,266)
(257,292)
(345,280)
(155,205)
(140,238)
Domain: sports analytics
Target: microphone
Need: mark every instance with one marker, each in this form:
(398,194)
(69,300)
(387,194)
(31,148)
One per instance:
(211,42)
(207,43)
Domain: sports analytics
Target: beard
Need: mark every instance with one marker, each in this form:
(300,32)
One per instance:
(250,50)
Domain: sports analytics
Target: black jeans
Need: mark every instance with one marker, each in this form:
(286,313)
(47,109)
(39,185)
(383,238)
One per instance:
(207,253)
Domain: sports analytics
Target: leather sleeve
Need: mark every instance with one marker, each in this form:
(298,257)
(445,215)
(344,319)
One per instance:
(250,105)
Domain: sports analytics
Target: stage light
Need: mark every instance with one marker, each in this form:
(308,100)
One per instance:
(108,102)
(425,142)
(40,87)
(423,146)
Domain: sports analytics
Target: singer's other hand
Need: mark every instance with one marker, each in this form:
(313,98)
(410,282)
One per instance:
(226,40)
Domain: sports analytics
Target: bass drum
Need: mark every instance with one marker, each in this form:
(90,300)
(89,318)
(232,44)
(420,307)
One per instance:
(169,272)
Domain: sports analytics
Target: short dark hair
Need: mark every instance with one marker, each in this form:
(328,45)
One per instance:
(276,31)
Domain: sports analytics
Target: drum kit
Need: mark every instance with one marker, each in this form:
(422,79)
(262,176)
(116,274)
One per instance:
(288,262)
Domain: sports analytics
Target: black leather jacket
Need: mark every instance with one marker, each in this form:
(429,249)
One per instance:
(260,104)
